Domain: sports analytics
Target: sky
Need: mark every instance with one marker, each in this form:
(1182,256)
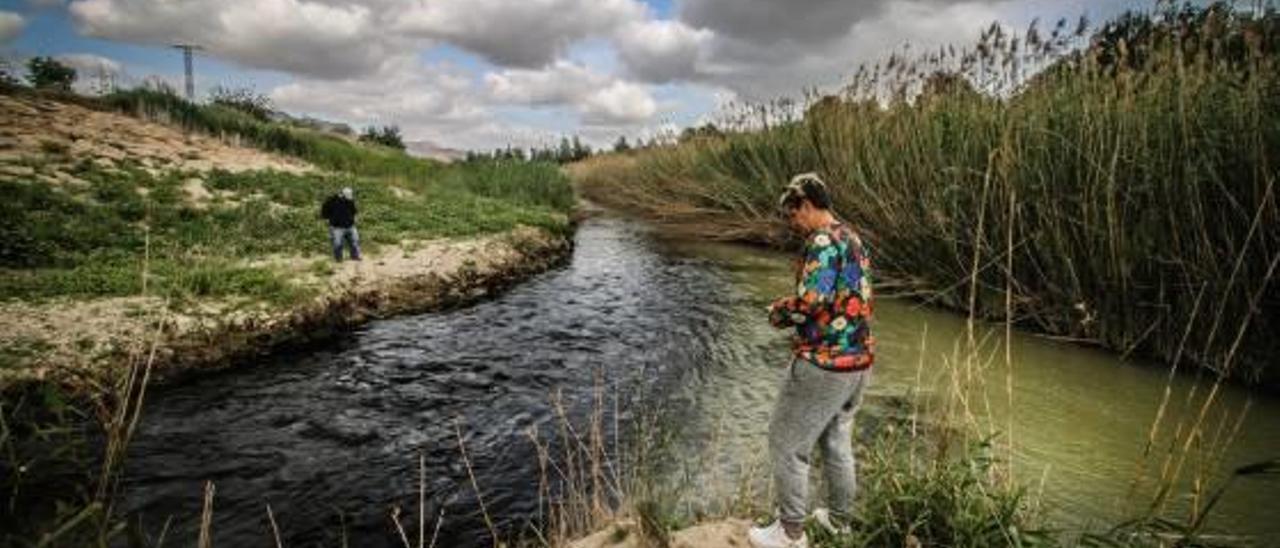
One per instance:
(484,74)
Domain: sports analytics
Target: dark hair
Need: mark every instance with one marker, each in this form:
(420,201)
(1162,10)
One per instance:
(805,186)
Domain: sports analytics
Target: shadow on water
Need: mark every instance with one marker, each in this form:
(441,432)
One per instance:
(330,436)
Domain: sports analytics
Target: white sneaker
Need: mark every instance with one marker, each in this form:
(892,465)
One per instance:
(775,536)
(823,518)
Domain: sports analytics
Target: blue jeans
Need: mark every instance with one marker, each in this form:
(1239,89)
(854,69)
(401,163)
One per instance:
(349,235)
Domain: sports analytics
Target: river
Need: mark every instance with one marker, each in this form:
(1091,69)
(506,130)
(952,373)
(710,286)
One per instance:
(330,436)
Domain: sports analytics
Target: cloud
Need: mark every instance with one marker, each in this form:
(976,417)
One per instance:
(618,103)
(600,99)
(11,25)
(405,92)
(440,103)
(767,22)
(762,50)
(326,40)
(359,61)
(333,39)
(662,50)
(528,34)
(87,64)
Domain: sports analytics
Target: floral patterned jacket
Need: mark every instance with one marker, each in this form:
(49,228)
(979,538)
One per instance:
(831,312)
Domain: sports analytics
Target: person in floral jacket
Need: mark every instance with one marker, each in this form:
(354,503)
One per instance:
(832,353)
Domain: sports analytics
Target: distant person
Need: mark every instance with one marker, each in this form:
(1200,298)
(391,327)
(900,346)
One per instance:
(340,211)
(832,352)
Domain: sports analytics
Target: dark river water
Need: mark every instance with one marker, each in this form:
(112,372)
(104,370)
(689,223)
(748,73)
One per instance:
(330,437)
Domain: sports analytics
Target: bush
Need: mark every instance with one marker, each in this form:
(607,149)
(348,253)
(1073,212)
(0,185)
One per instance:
(387,136)
(48,73)
(244,100)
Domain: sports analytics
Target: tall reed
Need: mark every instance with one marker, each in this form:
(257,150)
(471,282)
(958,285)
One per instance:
(1132,168)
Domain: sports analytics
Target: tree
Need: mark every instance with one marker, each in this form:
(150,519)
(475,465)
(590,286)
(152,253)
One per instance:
(621,144)
(6,77)
(565,152)
(387,136)
(705,131)
(48,73)
(580,151)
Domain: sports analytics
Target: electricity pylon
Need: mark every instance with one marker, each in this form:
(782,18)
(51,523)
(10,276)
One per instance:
(187,66)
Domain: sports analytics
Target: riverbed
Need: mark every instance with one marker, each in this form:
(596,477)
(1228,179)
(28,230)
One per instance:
(330,436)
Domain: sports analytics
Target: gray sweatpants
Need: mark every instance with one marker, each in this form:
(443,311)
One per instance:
(815,406)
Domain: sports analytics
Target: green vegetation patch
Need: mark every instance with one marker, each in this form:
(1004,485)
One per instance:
(94,241)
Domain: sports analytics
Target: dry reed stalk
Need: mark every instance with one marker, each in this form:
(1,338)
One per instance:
(395,519)
(462,447)
(275,529)
(129,399)
(1008,329)
(164,530)
(422,497)
(206,518)
(435,533)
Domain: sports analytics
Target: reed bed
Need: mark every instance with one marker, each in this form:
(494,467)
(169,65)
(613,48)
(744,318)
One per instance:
(1133,167)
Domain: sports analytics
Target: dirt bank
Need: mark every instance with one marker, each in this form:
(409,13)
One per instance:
(53,141)
(728,533)
(83,343)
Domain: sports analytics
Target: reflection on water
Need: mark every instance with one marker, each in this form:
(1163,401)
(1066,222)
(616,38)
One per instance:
(330,437)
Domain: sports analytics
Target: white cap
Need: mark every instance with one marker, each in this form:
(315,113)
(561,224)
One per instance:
(347,192)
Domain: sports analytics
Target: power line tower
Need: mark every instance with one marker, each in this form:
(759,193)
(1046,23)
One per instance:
(187,50)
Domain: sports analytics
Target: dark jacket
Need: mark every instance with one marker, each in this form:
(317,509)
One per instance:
(339,211)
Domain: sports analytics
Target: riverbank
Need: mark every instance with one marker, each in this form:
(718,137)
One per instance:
(84,341)
(138,227)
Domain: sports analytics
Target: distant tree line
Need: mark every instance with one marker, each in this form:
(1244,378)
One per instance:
(572,149)
(569,150)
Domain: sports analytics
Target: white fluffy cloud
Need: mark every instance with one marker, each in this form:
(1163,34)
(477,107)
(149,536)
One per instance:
(359,60)
(327,40)
(618,103)
(89,64)
(11,25)
(662,50)
(761,50)
(528,33)
(406,93)
(600,99)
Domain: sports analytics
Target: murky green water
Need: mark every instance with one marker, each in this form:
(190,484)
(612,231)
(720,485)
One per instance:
(1079,417)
